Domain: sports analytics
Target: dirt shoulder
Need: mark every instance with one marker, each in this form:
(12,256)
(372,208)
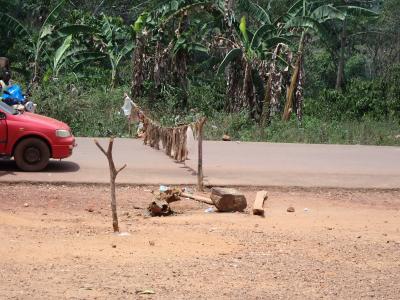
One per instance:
(56,242)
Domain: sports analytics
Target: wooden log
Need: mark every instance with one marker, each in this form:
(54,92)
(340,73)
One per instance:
(258,207)
(198,198)
(227,200)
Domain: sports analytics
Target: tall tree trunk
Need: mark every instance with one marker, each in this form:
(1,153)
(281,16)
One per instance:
(138,66)
(266,112)
(232,85)
(232,73)
(294,80)
(248,94)
(181,60)
(299,93)
(340,71)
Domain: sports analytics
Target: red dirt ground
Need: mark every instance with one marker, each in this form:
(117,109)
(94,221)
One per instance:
(57,243)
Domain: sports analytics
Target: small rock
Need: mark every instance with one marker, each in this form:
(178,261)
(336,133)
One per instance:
(226,138)
(26,204)
(290,209)
(152,243)
(114,246)
(89,209)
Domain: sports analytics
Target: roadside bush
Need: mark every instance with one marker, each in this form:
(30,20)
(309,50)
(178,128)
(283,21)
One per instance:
(312,130)
(89,111)
(358,117)
(363,99)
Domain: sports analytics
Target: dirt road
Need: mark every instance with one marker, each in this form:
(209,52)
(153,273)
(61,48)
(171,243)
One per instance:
(228,163)
(56,243)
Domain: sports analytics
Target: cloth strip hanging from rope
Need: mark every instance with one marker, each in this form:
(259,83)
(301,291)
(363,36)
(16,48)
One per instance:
(172,139)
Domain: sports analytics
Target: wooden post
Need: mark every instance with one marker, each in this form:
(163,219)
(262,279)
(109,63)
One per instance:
(113,175)
(258,207)
(200,176)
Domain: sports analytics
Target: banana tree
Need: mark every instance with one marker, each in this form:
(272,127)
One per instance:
(166,38)
(36,41)
(70,55)
(251,51)
(116,44)
(309,17)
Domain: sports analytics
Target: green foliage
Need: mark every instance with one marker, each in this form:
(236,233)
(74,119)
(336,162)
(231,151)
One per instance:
(75,49)
(258,12)
(90,111)
(363,99)
(311,130)
(356,67)
(321,73)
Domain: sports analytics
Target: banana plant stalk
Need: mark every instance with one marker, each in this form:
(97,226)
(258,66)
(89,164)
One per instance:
(294,80)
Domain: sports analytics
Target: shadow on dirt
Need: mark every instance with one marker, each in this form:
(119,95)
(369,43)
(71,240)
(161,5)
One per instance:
(8,167)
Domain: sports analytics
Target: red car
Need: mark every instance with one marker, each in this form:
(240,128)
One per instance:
(33,139)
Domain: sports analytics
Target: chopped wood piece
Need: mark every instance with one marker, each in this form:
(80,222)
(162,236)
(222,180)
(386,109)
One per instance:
(258,207)
(227,200)
(198,198)
(169,196)
(159,209)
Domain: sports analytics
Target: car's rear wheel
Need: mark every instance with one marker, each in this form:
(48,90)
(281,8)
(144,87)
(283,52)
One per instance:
(32,155)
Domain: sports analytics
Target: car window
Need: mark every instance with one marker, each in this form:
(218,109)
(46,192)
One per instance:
(7,109)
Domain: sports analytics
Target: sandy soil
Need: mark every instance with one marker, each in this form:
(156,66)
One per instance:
(56,243)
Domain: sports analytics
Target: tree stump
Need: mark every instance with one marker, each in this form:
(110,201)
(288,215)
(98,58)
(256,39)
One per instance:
(228,200)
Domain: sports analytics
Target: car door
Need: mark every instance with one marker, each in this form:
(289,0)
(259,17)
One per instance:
(3,132)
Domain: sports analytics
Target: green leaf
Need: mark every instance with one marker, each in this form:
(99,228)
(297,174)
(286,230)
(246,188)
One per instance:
(127,49)
(295,8)
(107,30)
(232,55)
(58,6)
(174,5)
(198,48)
(327,12)
(255,10)
(60,53)
(77,28)
(357,11)
(140,22)
(259,34)
(15,24)
(46,31)
(308,23)
(243,30)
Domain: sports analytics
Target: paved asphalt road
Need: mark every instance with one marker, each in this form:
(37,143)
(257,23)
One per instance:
(227,163)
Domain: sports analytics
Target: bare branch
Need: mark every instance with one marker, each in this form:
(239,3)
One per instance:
(100,147)
(123,167)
